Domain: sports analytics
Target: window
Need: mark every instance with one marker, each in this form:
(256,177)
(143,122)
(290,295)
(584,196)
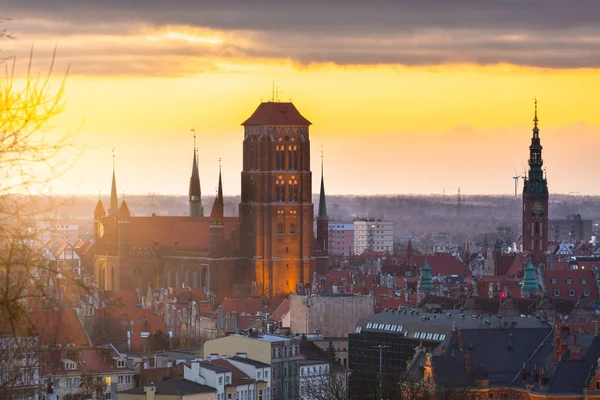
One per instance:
(569,281)
(273,353)
(121,363)
(553,281)
(107,380)
(260,394)
(76,382)
(571,292)
(280,228)
(227,379)
(556,292)
(121,379)
(584,281)
(69,365)
(229,396)
(293,229)
(586,292)
(69,382)
(258,375)
(220,380)
(56,383)
(267,374)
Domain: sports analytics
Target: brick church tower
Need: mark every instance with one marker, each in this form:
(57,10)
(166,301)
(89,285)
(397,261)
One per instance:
(535,201)
(276,209)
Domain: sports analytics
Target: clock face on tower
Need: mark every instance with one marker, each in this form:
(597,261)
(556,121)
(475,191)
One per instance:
(100,230)
(537,207)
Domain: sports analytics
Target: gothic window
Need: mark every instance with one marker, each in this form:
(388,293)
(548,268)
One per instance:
(293,156)
(293,189)
(293,229)
(279,156)
(280,189)
(280,228)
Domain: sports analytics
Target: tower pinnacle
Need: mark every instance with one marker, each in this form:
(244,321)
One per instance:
(322,201)
(195,193)
(113,208)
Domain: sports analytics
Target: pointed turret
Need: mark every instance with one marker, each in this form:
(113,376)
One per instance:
(425,281)
(217,238)
(322,201)
(113,208)
(99,211)
(124,210)
(195,193)
(321,250)
(218,206)
(530,282)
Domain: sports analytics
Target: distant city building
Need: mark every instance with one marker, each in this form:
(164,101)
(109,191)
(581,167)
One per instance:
(371,234)
(571,229)
(49,230)
(341,238)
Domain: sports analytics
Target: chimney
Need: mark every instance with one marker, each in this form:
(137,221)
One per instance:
(468,362)
(214,356)
(560,343)
(150,391)
(235,321)
(460,340)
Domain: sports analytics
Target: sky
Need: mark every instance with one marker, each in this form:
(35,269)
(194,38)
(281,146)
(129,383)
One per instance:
(405,97)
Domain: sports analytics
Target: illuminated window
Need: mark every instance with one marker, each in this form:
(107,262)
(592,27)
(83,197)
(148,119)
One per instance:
(107,380)
(280,189)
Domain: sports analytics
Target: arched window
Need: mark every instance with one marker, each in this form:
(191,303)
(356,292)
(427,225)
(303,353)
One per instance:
(280,228)
(293,189)
(280,154)
(280,189)
(292,229)
(293,156)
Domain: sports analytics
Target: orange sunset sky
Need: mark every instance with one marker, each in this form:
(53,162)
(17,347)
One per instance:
(404,97)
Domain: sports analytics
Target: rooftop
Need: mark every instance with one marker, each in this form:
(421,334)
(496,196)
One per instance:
(419,324)
(176,387)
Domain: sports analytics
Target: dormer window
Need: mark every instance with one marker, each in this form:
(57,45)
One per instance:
(120,363)
(571,292)
(569,281)
(70,365)
(584,281)
(586,292)
(556,292)
(553,281)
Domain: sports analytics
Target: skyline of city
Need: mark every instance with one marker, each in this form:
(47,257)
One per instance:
(418,103)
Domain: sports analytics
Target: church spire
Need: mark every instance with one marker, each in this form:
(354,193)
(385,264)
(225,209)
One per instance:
(195,194)
(322,203)
(217,211)
(113,208)
(535,179)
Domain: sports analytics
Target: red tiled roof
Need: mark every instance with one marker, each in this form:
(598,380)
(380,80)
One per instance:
(58,327)
(443,265)
(281,311)
(577,284)
(237,376)
(271,113)
(176,231)
(92,359)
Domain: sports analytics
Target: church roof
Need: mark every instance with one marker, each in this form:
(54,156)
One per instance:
(272,113)
(176,231)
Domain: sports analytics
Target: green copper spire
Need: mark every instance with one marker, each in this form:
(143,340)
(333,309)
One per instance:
(530,284)
(425,281)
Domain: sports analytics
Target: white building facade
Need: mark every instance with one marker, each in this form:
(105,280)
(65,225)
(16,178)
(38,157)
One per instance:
(371,234)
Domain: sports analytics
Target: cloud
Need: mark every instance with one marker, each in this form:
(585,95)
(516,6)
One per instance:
(544,34)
